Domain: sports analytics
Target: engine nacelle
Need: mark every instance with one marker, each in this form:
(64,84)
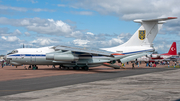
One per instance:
(49,56)
(65,57)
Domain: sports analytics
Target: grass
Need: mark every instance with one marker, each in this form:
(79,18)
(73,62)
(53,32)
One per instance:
(177,66)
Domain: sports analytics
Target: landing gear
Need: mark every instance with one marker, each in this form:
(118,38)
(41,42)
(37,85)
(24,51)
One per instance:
(60,67)
(85,68)
(63,67)
(29,67)
(76,67)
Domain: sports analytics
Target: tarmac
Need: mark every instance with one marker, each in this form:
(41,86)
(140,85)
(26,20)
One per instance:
(98,84)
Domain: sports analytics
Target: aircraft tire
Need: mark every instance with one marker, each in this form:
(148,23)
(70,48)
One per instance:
(86,68)
(60,67)
(67,68)
(82,68)
(76,67)
(29,66)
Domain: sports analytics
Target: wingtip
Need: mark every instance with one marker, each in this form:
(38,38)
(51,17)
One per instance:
(172,17)
(117,54)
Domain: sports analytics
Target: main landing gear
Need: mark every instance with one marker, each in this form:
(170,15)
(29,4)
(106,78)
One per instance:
(83,68)
(63,67)
(76,67)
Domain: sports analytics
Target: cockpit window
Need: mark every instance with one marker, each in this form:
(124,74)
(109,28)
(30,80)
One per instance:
(14,51)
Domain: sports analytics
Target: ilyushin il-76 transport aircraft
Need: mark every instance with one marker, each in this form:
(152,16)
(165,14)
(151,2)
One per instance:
(138,45)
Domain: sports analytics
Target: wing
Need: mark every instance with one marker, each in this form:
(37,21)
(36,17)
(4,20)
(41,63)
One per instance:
(83,51)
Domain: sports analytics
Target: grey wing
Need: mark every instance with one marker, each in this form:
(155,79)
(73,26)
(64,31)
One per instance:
(82,51)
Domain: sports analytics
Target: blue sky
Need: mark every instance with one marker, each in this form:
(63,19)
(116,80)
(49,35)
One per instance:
(85,23)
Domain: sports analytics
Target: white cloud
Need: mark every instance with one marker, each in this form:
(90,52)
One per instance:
(17,32)
(40,10)
(4,32)
(11,38)
(83,12)
(112,42)
(25,22)
(61,5)
(135,9)
(129,9)
(27,33)
(21,9)
(76,34)
(33,1)
(42,26)
(3,37)
(90,33)
(80,42)
(43,41)
(52,27)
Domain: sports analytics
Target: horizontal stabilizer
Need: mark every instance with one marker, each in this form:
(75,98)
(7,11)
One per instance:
(132,57)
(153,20)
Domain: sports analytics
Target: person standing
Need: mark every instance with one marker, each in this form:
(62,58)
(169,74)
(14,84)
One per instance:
(2,64)
(132,65)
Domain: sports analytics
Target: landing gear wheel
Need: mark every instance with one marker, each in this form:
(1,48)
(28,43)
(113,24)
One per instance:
(82,68)
(85,68)
(60,67)
(67,68)
(29,67)
(76,67)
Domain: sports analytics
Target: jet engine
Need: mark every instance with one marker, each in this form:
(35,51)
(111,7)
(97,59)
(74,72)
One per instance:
(65,57)
(61,56)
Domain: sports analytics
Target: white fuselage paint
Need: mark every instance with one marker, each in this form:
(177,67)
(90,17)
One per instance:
(37,56)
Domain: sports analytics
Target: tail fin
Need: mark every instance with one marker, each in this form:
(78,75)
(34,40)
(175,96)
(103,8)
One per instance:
(147,32)
(144,36)
(172,50)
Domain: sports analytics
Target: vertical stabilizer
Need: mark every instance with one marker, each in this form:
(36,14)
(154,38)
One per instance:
(142,39)
(173,50)
(146,34)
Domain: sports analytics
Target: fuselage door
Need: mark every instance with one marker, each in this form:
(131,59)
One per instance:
(33,57)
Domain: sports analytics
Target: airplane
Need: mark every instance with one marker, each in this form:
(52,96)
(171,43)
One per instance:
(64,56)
(159,57)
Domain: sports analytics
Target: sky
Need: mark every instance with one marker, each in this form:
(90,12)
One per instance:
(83,23)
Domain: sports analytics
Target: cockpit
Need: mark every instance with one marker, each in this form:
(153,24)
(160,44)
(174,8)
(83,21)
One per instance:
(14,51)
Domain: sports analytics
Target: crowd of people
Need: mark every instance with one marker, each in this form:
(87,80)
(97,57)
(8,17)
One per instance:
(4,63)
(151,64)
